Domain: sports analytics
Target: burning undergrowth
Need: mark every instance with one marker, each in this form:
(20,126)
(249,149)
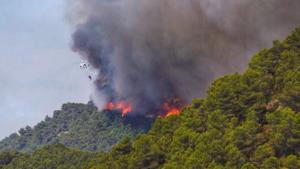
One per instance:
(169,108)
(148,52)
(124,107)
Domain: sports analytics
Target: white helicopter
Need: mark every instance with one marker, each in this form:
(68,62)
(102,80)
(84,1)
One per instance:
(83,65)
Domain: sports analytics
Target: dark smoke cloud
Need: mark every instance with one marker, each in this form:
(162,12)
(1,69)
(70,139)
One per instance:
(146,51)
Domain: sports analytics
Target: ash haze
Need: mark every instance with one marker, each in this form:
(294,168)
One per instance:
(147,51)
(38,71)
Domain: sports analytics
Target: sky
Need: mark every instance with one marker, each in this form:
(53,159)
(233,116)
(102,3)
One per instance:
(38,71)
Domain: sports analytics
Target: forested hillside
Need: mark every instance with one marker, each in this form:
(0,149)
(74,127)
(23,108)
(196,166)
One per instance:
(247,121)
(79,126)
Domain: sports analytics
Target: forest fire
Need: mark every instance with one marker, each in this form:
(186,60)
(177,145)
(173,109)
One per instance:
(169,108)
(172,111)
(123,106)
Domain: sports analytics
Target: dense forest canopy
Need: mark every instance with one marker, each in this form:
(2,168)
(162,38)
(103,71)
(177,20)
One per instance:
(79,126)
(247,121)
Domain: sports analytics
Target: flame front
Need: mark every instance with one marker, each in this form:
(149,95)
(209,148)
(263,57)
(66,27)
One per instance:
(172,112)
(123,106)
(171,108)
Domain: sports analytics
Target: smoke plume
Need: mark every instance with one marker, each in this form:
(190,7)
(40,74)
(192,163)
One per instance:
(147,51)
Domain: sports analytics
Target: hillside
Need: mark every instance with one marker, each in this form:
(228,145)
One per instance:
(247,121)
(78,126)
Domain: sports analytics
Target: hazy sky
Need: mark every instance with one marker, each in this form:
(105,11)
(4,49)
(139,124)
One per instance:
(38,71)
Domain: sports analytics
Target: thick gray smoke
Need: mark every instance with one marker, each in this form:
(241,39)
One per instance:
(147,51)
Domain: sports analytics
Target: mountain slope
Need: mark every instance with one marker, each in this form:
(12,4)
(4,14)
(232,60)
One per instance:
(247,121)
(78,126)
(50,156)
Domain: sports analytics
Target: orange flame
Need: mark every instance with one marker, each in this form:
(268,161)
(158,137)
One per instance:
(173,112)
(171,108)
(123,106)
